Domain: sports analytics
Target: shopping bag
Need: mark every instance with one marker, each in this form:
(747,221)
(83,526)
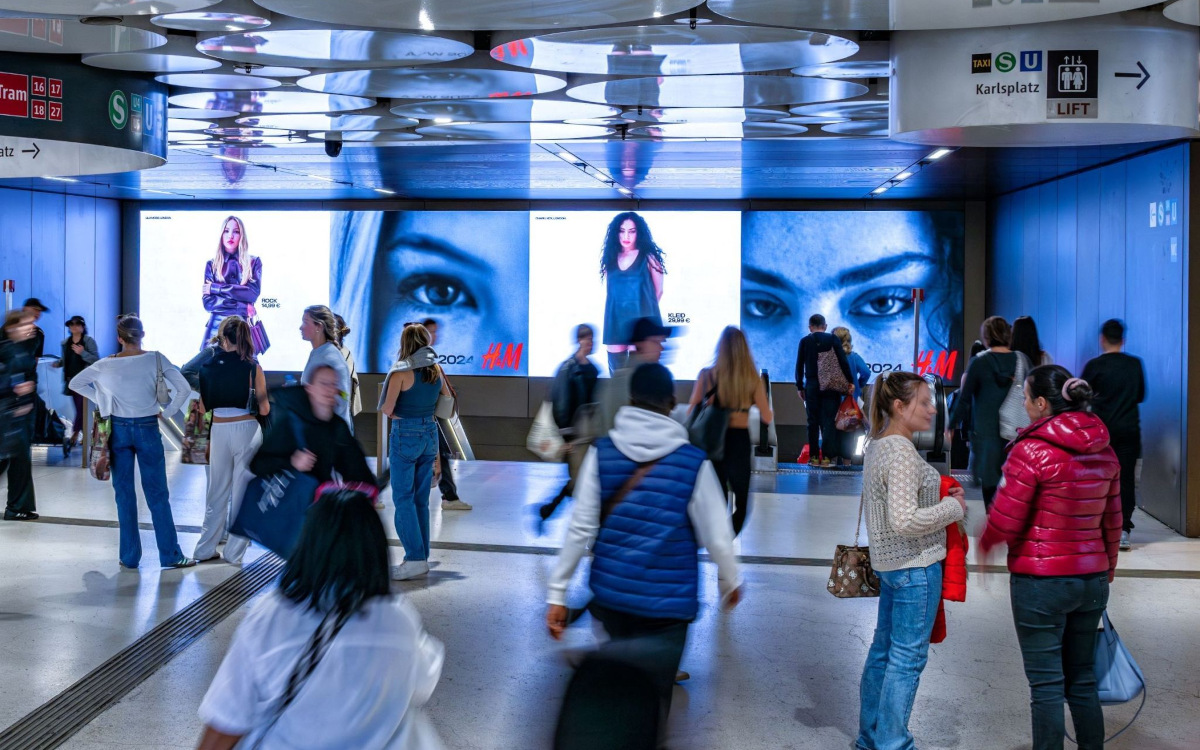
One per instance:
(98,464)
(849,416)
(258,332)
(544,438)
(830,376)
(707,426)
(273,509)
(196,434)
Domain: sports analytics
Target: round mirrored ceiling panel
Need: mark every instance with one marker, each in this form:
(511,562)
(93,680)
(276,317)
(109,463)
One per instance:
(63,36)
(515,131)
(176,125)
(1184,11)
(504,110)
(270,102)
(327,122)
(477,14)
(183,113)
(845,110)
(106,7)
(434,83)
(872,128)
(674,50)
(716,91)
(334,48)
(847,69)
(704,114)
(718,130)
(366,136)
(913,14)
(220,20)
(230,81)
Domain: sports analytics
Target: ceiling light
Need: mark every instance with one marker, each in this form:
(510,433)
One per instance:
(61,179)
(385,191)
(424,21)
(903,175)
(232,159)
(624,191)
(566,156)
(319,177)
(878,190)
(443,120)
(938,154)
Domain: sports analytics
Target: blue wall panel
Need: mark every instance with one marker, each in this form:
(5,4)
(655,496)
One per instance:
(1045,313)
(108,276)
(16,242)
(81,258)
(1087,269)
(1111,262)
(49,260)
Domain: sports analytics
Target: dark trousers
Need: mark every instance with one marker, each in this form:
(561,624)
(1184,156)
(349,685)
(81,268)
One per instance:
(19,467)
(446,484)
(80,405)
(733,472)
(1128,452)
(653,644)
(1056,619)
(821,408)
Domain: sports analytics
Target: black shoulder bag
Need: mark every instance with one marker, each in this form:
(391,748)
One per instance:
(707,425)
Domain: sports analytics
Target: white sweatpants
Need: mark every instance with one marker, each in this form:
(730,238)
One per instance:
(231,446)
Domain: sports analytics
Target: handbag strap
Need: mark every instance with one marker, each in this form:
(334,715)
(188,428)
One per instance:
(615,499)
(862,500)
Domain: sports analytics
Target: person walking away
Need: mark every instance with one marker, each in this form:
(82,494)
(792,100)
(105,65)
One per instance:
(330,658)
(648,339)
(574,388)
(18,385)
(34,308)
(644,576)
(1119,382)
(733,383)
(234,388)
(410,399)
(1024,339)
(1059,511)
(989,380)
(443,470)
(907,517)
(343,331)
(78,351)
(860,376)
(125,388)
(319,328)
(820,406)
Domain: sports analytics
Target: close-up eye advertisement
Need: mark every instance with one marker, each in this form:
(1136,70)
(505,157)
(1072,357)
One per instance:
(508,289)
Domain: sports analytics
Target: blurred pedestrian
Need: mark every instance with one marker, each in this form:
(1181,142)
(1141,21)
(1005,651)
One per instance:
(18,385)
(573,392)
(319,328)
(34,307)
(443,469)
(343,331)
(648,340)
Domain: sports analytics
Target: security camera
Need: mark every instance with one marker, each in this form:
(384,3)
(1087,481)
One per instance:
(333,149)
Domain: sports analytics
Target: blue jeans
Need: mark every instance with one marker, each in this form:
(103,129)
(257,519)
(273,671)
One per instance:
(413,448)
(908,603)
(138,437)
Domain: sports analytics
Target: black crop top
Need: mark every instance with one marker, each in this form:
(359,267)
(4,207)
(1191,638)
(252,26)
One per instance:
(225,381)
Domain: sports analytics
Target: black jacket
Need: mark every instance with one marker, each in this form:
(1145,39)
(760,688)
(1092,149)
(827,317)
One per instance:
(574,386)
(811,346)
(294,427)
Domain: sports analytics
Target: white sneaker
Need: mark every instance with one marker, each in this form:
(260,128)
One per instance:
(410,569)
(455,505)
(1125,545)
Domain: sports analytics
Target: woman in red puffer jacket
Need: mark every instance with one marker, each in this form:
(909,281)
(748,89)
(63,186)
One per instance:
(1059,510)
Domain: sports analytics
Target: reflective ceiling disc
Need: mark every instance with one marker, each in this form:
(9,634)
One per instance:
(674,50)
(434,83)
(211,21)
(63,36)
(801,120)
(175,125)
(1184,11)
(270,71)
(176,137)
(847,69)
(504,110)
(716,91)
(334,48)
(232,132)
(845,110)
(477,14)
(270,102)
(230,81)
(327,122)
(913,14)
(182,113)
(106,7)
(515,131)
(875,128)
(718,130)
(366,136)
(705,114)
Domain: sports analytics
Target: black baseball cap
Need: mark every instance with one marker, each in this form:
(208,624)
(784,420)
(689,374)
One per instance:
(76,320)
(644,328)
(36,304)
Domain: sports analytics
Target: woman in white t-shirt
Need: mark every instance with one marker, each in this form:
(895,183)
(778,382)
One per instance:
(125,387)
(331,659)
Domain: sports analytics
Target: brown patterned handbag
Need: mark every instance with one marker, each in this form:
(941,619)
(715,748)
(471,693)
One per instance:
(852,575)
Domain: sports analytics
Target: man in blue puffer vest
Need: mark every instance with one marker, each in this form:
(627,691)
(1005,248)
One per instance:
(645,572)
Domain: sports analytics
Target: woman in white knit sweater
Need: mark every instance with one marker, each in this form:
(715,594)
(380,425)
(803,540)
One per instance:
(906,520)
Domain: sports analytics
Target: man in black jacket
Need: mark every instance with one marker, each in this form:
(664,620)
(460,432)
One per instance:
(820,405)
(574,388)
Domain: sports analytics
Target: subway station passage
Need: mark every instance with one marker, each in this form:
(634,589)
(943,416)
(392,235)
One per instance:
(779,672)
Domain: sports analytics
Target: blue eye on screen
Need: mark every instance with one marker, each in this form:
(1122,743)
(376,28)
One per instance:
(435,290)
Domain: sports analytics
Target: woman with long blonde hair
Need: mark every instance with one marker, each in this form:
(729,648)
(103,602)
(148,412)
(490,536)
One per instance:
(232,278)
(733,383)
(410,400)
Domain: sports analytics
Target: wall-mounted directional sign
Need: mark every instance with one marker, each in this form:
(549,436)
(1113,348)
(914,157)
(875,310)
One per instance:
(61,118)
(1117,79)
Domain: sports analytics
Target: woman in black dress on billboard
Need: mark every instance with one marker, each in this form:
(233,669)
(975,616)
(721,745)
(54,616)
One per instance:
(232,279)
(632,267)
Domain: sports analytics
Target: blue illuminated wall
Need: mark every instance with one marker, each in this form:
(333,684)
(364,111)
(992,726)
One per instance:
(1109,243)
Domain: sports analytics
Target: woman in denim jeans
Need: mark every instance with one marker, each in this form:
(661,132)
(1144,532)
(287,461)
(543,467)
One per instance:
(906,521)
(125,388)
(410,400)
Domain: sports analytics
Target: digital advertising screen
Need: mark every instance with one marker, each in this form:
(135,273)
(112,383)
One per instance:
(609,268)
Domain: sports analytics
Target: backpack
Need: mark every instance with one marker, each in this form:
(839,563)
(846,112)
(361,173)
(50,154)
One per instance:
(563,395)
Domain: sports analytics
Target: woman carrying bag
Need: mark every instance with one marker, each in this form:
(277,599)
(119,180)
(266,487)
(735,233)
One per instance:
(907,516)
(1058,509)
(234,389)
(78,352)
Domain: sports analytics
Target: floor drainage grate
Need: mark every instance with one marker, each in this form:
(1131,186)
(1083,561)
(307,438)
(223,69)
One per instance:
(55,721)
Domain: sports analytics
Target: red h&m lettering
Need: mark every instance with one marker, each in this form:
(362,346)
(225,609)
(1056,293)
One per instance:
(14,95)
(943,367)
(503,357)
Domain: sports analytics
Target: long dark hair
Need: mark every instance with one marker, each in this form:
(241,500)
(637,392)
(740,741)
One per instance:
(645,242)
(1024,339)
(236,331)
(1063,392)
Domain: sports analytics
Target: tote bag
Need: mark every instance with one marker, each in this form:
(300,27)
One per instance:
(544,438)
(707,425)
(1119,679)
(1012,411)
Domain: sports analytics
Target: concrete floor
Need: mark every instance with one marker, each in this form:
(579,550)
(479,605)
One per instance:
(781,671)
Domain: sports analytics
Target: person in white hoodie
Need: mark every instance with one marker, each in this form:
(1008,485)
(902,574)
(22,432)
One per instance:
(646,501)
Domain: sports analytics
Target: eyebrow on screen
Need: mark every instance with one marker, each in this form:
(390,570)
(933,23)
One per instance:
(882,267)
(759,276)
(428,244)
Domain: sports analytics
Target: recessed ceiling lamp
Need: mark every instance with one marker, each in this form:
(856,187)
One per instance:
(911,170)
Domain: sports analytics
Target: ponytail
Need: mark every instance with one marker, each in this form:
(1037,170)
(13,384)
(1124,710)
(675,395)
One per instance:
(887,388)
